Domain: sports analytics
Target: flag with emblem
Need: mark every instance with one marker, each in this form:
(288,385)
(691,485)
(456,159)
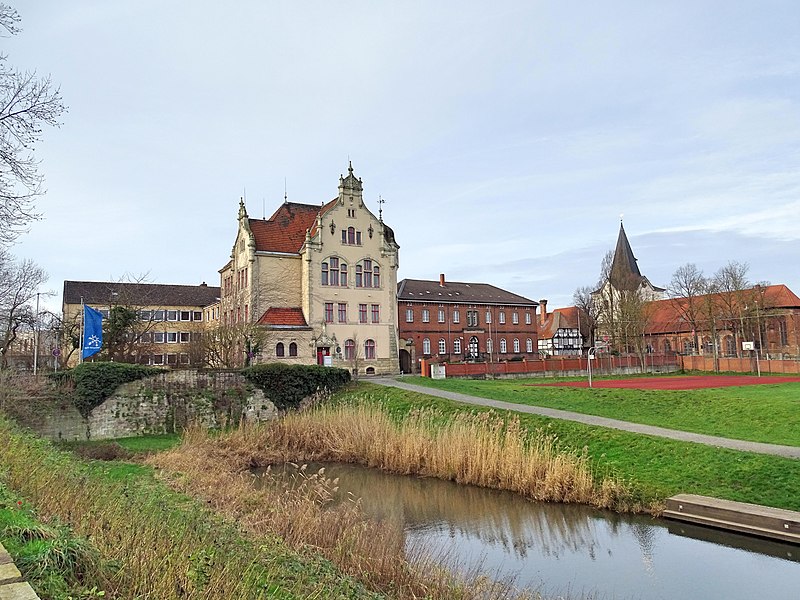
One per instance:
(92,331)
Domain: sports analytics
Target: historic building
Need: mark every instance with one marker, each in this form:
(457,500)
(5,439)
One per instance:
(560,332)
(168,320)
(768,317)
(316,284)
(457,321)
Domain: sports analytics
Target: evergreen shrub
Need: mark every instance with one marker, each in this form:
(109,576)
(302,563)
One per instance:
(96,381)
(287,385)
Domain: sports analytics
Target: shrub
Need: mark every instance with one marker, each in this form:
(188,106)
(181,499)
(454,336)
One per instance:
(287,385)
(96,381)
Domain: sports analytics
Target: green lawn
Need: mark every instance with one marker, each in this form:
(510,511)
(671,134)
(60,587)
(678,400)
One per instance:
(759,413)
(656,467)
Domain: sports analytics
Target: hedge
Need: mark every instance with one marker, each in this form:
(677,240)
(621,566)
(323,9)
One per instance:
(96,381)
(287,385)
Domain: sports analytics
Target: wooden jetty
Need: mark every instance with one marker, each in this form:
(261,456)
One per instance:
(751,519)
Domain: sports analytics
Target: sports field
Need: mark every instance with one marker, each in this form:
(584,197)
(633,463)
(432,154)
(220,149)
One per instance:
(691,382)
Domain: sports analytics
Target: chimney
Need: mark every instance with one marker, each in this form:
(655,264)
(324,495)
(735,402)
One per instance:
(441,279)
(543,315)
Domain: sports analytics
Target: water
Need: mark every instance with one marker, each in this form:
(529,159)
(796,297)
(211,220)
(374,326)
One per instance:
(575,550)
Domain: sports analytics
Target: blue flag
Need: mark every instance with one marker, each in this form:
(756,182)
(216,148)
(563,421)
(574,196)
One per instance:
(92,331)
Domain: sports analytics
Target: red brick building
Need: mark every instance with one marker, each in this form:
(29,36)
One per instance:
(456,321)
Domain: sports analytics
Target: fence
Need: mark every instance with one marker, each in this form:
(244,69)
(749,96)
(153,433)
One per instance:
(741,365)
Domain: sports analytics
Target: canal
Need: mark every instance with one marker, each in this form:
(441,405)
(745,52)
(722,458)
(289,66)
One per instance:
(568,550)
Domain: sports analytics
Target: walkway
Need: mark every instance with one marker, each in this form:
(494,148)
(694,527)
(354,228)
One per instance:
(674,434)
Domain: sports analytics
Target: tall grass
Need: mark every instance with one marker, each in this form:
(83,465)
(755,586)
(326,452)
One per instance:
(164,546)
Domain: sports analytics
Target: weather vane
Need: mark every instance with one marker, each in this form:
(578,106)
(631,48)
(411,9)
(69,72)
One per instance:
(381,202)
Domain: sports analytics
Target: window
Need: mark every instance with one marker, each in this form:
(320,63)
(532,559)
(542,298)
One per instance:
(359,276)
(516,345)
(367,273)
(349,349)
(457,346)
(442,347)
(197,315)
(146,337)
(456,316)
(376,313)
(186,315)
(488,317)
(472,318)
(503,347)
(158,337)
(279,350)
(426,315)
(172,337)
(441,315)
(329,312)
(501,317)
(172,359)
(426,346)
(183,358)
(342,312)
(334,269)
(324,273)
(529,345)
(145,315)
(409,315)
(527,318)
(158,315)
(362,313)
(292,349)
(184,337)
(158,359)
(351,235)
(343,275)
(172,315)
(369,349)
(376,276)
(474,346)
(515,318)
(489,346)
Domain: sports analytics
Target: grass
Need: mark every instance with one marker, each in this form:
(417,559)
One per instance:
(654,468)
(759,413)
(164,545)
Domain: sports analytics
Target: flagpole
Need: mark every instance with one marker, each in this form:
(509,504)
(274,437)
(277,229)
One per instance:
(83,317)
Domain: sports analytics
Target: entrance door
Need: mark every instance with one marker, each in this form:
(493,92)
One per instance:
(405,361)
(322,353)
(473,347)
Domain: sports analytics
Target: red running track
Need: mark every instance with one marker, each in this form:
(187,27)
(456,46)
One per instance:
(692,382)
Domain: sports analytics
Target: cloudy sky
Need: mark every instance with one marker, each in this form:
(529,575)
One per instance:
(506,137)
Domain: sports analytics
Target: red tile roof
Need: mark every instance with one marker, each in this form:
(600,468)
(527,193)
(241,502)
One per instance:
(283,317)
(669,316)
(560,318)
(285,230)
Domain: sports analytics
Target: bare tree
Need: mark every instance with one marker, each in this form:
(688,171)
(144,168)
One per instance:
(686,289)
(19,282)
(588,313)
(229,346)
(732,286)
(26,103)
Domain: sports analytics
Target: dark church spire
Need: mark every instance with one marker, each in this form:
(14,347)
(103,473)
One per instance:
(624,270)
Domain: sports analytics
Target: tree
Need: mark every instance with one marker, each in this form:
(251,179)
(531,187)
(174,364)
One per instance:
(588,313)
(26,103)
(732,287)
(230,346)
(686,289)
(19,283)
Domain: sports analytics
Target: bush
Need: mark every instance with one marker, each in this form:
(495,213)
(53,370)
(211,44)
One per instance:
(287,385)
(96,381)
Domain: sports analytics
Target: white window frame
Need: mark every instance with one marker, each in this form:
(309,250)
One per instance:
(501,319)
(515,318)
(426,315)
(409,315)
(457,346)
(442,346)
(426,346)
(456,316)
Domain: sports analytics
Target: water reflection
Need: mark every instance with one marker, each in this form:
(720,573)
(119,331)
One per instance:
(574,549)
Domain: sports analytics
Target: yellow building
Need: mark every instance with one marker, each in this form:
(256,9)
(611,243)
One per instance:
(168,320)
(316,284)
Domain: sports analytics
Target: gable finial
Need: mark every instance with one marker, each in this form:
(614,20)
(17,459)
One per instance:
(350,167)
(620,217)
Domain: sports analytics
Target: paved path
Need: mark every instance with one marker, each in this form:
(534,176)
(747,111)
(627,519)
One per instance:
(685,436)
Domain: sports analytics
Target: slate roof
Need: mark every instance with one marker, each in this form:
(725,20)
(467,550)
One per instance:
(291,317)
(625,274)
(421,290)
(668,316)
(285,230)
(144,294)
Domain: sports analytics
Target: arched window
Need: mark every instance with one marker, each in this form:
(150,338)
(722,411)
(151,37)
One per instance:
(351,235)
(292,349)
(516,345)
(368,274)
(325,273)
(457,346)
(503,347)
(489,346)
(279,350)
(349,349)
(343,275)
(426,346)
(359,276)
(376,276)
(474,346)
(369,349)
(529,345)
(442,347)
(334,264)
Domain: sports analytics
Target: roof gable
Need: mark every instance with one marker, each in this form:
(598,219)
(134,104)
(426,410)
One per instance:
(283,317)
(285,230)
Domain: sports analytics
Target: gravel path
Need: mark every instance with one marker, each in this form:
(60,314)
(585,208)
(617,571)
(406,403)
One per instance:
(674,434)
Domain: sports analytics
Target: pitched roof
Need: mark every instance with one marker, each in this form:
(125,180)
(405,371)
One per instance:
(670,316)
(143,294)
(458,292)
(624,270)
(285,230)
(291,317)
(560,318)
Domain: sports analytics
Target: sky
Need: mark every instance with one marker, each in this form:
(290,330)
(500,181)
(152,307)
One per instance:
(507,138)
